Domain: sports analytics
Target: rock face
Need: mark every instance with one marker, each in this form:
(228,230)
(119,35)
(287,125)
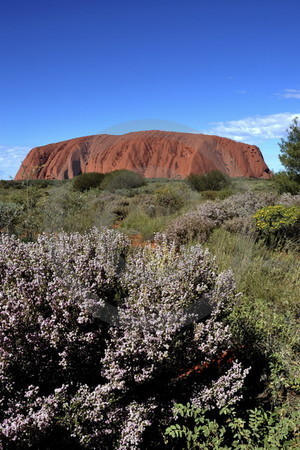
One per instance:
(152,153)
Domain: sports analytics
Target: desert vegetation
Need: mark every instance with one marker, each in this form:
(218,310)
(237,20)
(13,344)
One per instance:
(288,180)
(191,341)
(213,180)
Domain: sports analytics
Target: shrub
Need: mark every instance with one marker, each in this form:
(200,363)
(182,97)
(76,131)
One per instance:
(162,199)
(234,212)
(49,339)
(122,179)
(278,224)
(289,200)
(40,183)
(211,181)
(239,224)
(97,342)
(171,199)
(189,227)
(64,210)
(109,208)
(4,184)
(21,184)
(10,216)
(87,181)
(138,222)
(284,183)
(254,429)
(216,195)
(246,204)
(196,224)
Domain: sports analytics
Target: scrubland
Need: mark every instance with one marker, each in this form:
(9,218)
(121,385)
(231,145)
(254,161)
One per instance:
(190,342)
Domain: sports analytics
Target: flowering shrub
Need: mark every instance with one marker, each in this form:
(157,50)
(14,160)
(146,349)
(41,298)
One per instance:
(188,227)
(245,205)
(196,224)
(278,224)
(49,340)
(234,212)
(240,209)
(240,224)
(289,200)
(74,375)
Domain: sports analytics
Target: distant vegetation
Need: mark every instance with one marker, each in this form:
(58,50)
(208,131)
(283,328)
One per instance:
(75,375)
(211,181)
(87,181)
(122,179)
(112,181)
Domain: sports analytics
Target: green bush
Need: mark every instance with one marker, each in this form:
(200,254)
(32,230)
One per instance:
(214,195)
(254,429)
(170,199)
(122,179)
(265,318)
(284,183)
(4,184)
(12,184)
(86,181)
(23,184)
(211,181)
(139,222)
(277,225)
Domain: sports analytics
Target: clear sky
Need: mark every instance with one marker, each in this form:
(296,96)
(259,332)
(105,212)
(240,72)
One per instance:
(72,68)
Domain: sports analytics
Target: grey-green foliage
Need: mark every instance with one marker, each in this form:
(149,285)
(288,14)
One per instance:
(63,210)
(169,199)
(32,211)
(256,429)
(233,213)
(69,210)
(10,214)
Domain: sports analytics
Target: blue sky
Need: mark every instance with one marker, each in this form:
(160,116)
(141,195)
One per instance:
(72,68)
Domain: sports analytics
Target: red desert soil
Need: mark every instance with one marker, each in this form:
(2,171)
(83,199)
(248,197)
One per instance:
(152,153)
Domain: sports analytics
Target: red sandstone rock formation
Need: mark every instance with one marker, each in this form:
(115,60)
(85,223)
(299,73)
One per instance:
(152,153)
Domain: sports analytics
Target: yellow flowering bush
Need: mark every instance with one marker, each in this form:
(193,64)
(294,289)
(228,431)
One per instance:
(278,224)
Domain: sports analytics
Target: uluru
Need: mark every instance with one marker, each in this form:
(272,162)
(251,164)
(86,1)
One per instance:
(166,154)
